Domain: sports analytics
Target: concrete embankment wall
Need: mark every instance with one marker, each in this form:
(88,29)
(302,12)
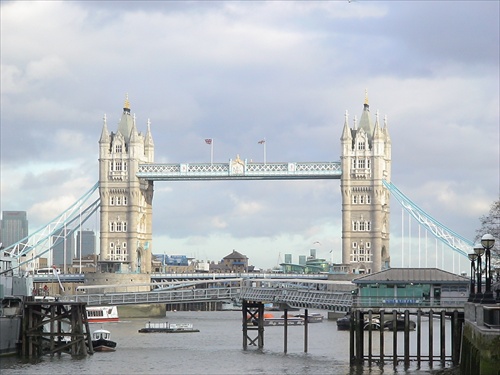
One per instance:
(480,354)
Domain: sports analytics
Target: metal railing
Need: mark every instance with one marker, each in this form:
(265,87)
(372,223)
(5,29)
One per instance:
(408,302)
(166,297)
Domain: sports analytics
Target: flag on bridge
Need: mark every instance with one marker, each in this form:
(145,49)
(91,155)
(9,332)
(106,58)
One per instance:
(208,141)
(261,142)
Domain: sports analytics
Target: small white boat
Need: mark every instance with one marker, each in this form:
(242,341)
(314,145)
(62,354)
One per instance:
(312,317)
(166,327)
(101,341)
(102,314)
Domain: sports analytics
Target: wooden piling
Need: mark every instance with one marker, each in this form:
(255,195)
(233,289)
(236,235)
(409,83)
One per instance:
(55,328)
(306,329)
(252,311)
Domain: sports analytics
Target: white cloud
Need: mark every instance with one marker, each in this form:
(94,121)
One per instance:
(238,72)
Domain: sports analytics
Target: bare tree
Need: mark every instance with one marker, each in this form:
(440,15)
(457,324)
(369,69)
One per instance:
(490,223)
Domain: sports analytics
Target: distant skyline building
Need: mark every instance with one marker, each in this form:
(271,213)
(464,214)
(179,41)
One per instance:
(88,243)
(63,243)
(14,227)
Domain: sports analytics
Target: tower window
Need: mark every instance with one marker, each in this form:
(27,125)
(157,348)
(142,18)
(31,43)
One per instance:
(361,163)
(354,245)
(118,148)
(361,145)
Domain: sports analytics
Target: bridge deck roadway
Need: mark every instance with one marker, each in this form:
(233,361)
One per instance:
(240,170)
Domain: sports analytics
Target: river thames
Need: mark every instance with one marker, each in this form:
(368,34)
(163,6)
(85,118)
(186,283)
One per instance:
(216,349)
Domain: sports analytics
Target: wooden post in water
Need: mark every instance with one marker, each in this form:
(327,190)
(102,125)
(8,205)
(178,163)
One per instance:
(419,336)
(407,339)
(456,332)
(285,331)
(306,325)
(443,337)
(382,323)
(370,321)
(431,338)
(352,354)
(394,338)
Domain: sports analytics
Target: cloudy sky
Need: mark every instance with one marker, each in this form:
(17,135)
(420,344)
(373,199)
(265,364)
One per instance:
(239,72)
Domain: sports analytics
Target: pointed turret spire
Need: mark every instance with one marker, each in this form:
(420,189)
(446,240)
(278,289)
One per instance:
(126,106)
(346,132)
(126,122)
(105,133)
(365,121)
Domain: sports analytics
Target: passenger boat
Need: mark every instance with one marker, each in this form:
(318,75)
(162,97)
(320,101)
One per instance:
(101,341)
(311,318)
(102,314)
(165,327)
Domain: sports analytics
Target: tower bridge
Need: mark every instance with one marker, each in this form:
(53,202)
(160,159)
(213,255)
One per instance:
(127,172)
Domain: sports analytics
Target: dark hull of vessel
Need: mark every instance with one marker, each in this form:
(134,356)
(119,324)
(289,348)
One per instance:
(102,345)
(167,330)
(10,329)
(400,325)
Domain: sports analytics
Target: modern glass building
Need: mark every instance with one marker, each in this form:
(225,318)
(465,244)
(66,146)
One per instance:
(87,240)
(14,227)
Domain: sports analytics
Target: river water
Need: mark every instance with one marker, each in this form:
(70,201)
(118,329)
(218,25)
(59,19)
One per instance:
(216,349)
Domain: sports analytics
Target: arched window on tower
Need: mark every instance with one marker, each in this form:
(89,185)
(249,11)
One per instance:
(118,148)
(361,145)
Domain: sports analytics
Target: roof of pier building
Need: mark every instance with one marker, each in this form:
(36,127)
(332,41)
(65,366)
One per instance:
(412,275)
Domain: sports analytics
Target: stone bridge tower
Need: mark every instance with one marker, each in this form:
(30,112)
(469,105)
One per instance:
(366,161)
(126,201)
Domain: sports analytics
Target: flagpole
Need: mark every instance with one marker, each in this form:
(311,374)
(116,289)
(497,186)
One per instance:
(212,152)
(265,150)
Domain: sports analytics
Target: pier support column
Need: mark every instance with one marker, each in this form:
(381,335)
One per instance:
(253,311)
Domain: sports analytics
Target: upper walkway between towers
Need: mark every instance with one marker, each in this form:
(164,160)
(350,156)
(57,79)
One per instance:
(238,169)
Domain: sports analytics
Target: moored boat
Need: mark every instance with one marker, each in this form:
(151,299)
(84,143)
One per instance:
(165,327)
(270,320)
(312,317)
(102,314)
(11,312)
(344,323)
(400,324)
(101,341)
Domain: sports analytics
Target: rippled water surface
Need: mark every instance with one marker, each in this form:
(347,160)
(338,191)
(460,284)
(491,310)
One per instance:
(216,349)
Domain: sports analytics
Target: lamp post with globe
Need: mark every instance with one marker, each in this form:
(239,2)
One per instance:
(479,251)
(487,242)
(472,292)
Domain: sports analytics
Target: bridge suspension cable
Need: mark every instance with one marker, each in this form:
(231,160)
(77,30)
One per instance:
(450,238)
(38,243)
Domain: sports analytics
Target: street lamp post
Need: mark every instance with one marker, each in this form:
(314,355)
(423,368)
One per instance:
(487,242)
(472,292)
(479,250)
